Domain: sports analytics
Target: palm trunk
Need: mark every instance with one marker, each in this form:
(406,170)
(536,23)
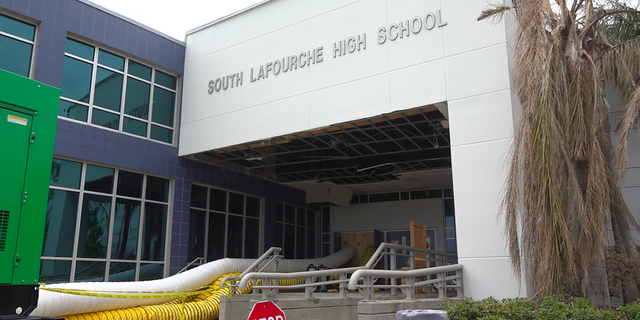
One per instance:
(629,294)
(598,286)
(619,209)
(626,237)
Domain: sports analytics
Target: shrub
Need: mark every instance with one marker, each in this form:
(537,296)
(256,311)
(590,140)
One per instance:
(550,308)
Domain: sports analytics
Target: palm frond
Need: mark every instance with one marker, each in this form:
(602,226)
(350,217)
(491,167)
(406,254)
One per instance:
(495,12)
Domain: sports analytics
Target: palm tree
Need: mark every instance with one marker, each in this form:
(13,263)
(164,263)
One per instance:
(563,189)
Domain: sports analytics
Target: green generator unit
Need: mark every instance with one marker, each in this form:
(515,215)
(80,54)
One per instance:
(28,115)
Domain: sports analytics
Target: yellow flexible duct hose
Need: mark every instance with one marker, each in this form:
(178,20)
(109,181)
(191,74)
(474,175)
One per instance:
(200,306)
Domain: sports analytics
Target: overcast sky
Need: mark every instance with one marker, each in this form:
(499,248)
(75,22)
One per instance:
(175,17)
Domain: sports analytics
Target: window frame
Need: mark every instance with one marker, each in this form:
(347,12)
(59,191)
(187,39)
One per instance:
(207,211)
(114,198)
(33,43)
(121,113)
(297,226)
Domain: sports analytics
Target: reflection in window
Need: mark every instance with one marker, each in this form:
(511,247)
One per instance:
(60,224)
(94,226)
(232,223)
(149,105)
(125,229)
(296,233)
(16,45)
(99,179)
(76,80)
(122,224)
(90,271)
(153,237)
(122,271)
(55,271)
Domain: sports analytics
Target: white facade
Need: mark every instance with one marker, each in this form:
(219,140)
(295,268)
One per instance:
(448,58)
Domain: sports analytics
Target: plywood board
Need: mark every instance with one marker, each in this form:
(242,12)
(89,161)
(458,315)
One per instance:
(360,241)
(418,234)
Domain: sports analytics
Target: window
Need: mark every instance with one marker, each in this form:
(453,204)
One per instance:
(295,232)
(104,224)
(223,224)
(450,226)
(16,45)
(115,92)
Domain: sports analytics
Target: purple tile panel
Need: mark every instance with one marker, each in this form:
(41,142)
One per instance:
(58,18)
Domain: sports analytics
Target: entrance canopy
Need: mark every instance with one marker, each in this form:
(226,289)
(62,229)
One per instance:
(377,149)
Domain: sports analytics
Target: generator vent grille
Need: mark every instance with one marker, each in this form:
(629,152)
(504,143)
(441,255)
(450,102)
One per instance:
(4,226)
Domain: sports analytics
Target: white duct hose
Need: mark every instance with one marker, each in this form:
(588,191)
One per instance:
(54,304)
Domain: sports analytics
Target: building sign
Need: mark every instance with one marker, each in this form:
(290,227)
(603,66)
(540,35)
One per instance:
(340,48)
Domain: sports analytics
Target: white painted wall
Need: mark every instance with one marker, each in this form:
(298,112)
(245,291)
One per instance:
(400,74)
(396,216)
(465,63)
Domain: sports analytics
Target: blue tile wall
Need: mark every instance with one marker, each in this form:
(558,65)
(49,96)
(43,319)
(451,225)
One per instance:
(60,18)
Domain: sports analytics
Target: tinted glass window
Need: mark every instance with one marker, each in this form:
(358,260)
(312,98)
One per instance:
(55,271)
(17,28)
(136,127)
(15,56)
(125,229)
(65,173)
(94,227)
(139,70)
(76,79)
(197,226)
(216,236)
(166,80)
(122,271)
(161,134)
(126,87)
(99,179)
(137,101)
(79,49)
(198,196)
(157,189)
(153,235)
(91,271)
(218,200)
(60,225)
(108,90)
(130,184)
(163,106)
(105,119)
(73,110)
(111,60)
(236,203)
(253,207)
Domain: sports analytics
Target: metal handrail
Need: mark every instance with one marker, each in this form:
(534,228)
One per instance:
(199,260)
(269,288)
(385,245)
(441,282)
(271,255)
(309,285)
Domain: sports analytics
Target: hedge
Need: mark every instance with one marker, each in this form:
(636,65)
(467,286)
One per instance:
(549,309)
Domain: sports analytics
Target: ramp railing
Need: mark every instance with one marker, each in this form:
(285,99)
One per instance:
(266,259)
(444,281)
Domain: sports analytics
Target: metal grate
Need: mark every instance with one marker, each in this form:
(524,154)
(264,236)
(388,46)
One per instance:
(4,226)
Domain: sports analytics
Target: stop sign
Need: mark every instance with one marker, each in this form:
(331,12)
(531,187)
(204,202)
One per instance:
(266,310)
